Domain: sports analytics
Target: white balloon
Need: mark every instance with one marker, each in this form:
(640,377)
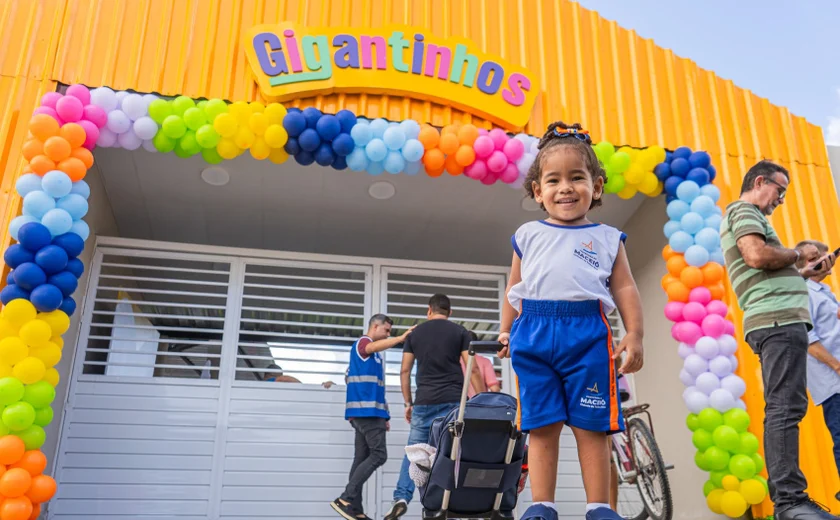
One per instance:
(734,384)
(695,365)
(118,122)
(686,378)
(721,400)
(149,146)
(684,350)
(689,390)
(148,98)
(720,366)
(696,402)
(104,98)
(145,128)
(734,362)
(728,345)
(120,95)
(707,383)
(129,140)
(707,347)
(106,139)
(133,106)
(741,404)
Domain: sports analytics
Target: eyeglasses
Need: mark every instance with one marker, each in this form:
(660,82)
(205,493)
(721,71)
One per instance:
(581,135)
(782,190)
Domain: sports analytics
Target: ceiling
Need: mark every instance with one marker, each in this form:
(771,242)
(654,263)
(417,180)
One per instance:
(320,210)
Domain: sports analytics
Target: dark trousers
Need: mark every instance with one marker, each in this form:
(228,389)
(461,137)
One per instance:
(783,353)
(371,452)
(831,413)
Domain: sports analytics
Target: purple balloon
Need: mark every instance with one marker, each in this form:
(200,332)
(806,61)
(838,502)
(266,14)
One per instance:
(707,348)
(695,365)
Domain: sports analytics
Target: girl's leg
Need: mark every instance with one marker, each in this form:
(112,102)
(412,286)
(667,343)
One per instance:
(594,455)
(543,454)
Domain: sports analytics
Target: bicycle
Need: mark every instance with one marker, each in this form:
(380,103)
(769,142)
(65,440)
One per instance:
(643,487)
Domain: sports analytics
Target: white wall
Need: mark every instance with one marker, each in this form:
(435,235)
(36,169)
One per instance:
(834,163)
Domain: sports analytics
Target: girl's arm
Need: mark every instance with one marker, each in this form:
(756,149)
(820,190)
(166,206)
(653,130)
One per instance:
(508,312)
(629,304)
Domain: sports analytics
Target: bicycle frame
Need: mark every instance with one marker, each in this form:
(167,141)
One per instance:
(623,456)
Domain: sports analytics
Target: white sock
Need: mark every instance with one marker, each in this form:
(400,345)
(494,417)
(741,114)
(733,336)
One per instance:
(546,504)
(595,505)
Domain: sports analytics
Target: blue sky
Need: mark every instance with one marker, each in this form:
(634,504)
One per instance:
(784,51)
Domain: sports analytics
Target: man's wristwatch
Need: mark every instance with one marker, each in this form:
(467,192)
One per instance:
(408,405)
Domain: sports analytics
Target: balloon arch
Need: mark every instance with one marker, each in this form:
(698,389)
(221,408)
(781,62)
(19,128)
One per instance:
(51,232)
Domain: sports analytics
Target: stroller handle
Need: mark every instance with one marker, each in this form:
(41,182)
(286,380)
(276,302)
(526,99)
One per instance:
(490,347)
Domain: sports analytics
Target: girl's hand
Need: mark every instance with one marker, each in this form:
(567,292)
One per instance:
(632,344)
(504,339)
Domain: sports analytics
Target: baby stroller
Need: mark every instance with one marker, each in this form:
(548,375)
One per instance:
(479,457)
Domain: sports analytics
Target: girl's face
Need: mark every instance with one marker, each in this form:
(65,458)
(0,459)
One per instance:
(566,188)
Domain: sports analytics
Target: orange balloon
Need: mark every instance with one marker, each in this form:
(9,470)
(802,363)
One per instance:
(676,264)
(11,449)
(73,133)
(712,272)
(429,136)
(452,166)
(41,489)
(677,292)
(33,461)
(434,159)
(449,143)
(41,164)
(36,512)
(667,252)
(667,279)
(449,130)
(15,482)
(18,508)
(691,276)
(74,168)
(717,291)
(27,169)
(31,148)
(57,148)
(84,155)
(467,134)
(434,172)
(465,155)
(43,126)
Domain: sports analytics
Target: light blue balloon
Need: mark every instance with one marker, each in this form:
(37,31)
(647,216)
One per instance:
(697,256)
(74,204)
(410,128)
(711,191)
(412,150)
(703,205)
(361,134)
(394,138)
(357,160)
(717,257)
(394,162)
(376,150)
(57,221)
(378,127)
(688,191)
(671,227)
(393,124)
(57,184)
(692,222)
(412,168)
(680,241)
(81,188)
(677,208)
(714,222)
(27,183)
(718,211)
(81,228)
(37,204)
(375,168)
(709,238)
(18,222)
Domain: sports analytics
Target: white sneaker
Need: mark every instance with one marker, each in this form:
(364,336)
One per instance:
(398,508)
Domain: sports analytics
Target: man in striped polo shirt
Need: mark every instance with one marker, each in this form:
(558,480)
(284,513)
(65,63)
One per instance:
(774,297)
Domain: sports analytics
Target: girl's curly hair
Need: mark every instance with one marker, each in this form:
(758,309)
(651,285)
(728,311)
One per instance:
(552,140)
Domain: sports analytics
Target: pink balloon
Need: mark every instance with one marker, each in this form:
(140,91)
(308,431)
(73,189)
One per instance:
(728,327)
(497,162)
(69,108)
(483,147)
(717,307)
(694,311)
(489,179)
(674,311)
(483,131)
(499,138)
(96,115)
(477,170)
(713,325)
(79,92)
(690,332)
(514,149)
(47,110)
(50,99)
(675,331)
(700,295)
(91,134)
(510,174)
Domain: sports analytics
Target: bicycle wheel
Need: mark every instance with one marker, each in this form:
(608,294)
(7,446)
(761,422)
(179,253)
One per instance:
(652,480)
(630,505)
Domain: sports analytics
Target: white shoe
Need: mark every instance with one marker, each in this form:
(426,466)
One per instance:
(398,508)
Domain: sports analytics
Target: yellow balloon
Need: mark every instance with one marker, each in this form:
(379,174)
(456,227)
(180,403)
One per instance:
(275,113)
(59,321)
(7,329)
(256,107)
(713,501)
(657,191)
(278,156)
(733,504)
(240,111)
(628,192)
(226,148)
(36,333)
(276,136)
(226,125)
(753,491)
(731,483)
(658,153)
(244,138)
(30,370)
(634,174)
(649,183)
(12,350)
(5,371)
(646,160)
(259,149)
(50,354)
(58,340)
(258,123)
(51,376)
(18,312)
(632,152)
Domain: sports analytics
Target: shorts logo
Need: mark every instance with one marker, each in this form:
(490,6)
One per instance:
(594,400)
(588,254)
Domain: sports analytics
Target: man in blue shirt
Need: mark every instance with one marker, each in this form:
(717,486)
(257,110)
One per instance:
(824,348)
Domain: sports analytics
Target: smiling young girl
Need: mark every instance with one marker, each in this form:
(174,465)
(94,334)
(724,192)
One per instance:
(567,274)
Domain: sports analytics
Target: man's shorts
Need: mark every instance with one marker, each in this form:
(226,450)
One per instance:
(562,353)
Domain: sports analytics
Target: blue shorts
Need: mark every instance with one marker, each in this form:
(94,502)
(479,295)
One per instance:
(562,353)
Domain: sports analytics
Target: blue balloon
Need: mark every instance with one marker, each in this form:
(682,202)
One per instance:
(714,222)
(711,191)
(669,156)
(65,281)
(29,276)
(394,138)
(52,259)
(46,297)
(57,221)
(75,266)
(357,160)
(361,134)
(18,222)
(13,292)
(683,152)
(680,241)
(340,163)
(68,306)
(712,172)
(312,115)
(304,158)
(293,109)
(717,257)
(671,227)
(29,182)
(37,204)
(378,127)
(81,188)
(688,191)
(410,128)
(703,205)
(71,243)
(324,155)
(343,145)
(328,127)
(75,205)
(662,171)
(708,238)
(81,228)
(347,120)
(670,198)
(292,146)
(700,159)
(696,255)
(698,175)
(34,236)
(294,123)
(677,208)
(309,140)
(375,168)
(57,184)
(412,150)
(16,254)
(671,185)
(680,167)
(376,150)
(10,278)
(413,168)
(394,162)
(692,222)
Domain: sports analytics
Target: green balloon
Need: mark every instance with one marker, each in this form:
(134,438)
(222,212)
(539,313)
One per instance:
(748,444)
(11,390)
(742,467)
(708,487)
(181,104)
(619,162)
(39,394)
(758,461)
(615,183)
(725,437)
(700,460)
(702,440)
(162,143)
(4,430)
(18,416)
(604,150)
(43,416)
(189,143)
(159,110)
(211,156)
(201,104)
(737,419)
(763,482)
(214,108)
(717,477)
(693,422)
(716,458)
(206,136)
(173,126)
(710,419)
(33,437)
(194,118)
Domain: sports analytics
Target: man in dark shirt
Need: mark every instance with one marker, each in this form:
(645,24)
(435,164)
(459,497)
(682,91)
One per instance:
(438,345)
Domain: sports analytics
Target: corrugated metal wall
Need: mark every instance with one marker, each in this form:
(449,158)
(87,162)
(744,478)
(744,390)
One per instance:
(622,87)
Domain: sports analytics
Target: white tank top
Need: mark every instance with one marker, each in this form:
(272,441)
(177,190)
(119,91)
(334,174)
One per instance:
(571,263)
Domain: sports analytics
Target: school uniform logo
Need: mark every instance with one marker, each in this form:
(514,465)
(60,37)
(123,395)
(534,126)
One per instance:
(594,399)
(588,254)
